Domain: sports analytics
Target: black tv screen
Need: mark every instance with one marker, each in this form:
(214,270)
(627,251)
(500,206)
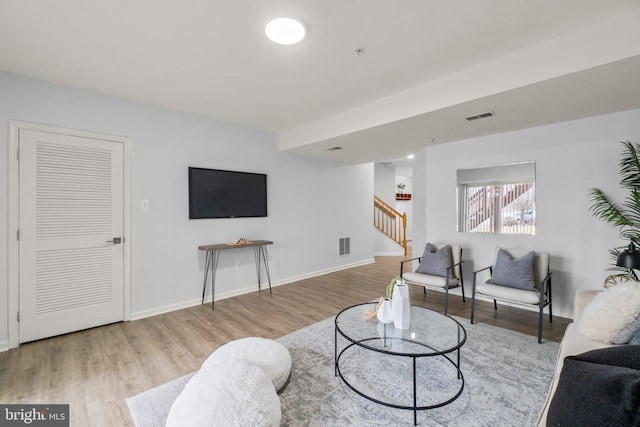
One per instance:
(217,193)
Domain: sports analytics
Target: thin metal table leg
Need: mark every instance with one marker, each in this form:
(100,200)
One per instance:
(256,256)
(263,249)
(458,353)
(207,260)
(415,397)
(215,256)
(335,351)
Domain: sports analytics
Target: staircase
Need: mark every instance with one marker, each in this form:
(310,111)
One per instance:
(390,222)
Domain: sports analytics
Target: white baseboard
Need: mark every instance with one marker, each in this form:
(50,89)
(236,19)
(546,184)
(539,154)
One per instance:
(399,253)
(4,346)
(236,292)
(325,271)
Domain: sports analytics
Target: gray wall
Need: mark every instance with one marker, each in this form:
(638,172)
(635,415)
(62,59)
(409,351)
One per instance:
(570,158)
(311,202)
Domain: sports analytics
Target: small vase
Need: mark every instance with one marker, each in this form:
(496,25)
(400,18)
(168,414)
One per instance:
(400,306)
(385,314)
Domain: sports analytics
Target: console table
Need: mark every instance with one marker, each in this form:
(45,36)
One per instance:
(213,254)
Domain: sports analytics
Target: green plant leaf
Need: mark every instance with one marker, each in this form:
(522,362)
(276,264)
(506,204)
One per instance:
(605,210)
(630,166)
(626,217)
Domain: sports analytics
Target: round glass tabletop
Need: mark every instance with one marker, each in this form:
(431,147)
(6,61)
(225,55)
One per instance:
(430,332)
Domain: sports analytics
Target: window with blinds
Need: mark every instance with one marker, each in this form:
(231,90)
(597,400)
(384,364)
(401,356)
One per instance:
(498,199)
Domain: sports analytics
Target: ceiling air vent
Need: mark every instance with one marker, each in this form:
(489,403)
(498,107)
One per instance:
(480,116)
(334,148)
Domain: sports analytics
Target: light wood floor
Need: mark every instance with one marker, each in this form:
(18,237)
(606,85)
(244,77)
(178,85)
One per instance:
(96,370)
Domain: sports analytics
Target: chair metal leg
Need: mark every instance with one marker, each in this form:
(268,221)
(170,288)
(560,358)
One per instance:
(446,300)
(424,290)
(540,323)
(550,301)
(446,293)
(495,305)
(462,286)
(473,297)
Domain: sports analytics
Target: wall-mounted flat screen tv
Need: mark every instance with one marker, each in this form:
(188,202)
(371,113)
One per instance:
(217,193)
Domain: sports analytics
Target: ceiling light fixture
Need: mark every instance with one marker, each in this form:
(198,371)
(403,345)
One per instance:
(410,156)
(285,30)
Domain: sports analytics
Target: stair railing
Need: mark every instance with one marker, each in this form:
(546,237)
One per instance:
(391,222)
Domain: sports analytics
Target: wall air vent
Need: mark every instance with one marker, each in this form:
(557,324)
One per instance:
(334,148)
(480,116)
(344,244)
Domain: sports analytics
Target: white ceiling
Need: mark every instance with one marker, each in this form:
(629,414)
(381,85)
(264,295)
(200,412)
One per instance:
(210,57)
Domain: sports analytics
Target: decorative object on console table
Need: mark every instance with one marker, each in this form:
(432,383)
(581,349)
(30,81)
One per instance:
(237,241)
(400,305)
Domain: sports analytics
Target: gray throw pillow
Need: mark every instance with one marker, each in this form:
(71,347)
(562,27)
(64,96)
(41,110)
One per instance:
(435,262)
(515,273)
(635,339)
(625,334)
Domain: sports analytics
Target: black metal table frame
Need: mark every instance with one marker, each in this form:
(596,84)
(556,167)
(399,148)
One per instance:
(211,263)
(415,406)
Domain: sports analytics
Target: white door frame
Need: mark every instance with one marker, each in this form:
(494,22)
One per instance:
(13,223)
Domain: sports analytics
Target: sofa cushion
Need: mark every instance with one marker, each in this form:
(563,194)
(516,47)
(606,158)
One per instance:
(435,262)
(600,387)
(514,273)
(429,280)
(508,293)
(573,343)
(613,315)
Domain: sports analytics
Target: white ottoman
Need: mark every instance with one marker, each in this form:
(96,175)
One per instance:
(225,394)
(269,355)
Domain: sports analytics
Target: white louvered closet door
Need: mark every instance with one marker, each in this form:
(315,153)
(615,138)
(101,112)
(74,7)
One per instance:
(71,209)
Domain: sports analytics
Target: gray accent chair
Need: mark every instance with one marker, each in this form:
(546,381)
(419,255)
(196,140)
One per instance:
(539,297)
(452,279)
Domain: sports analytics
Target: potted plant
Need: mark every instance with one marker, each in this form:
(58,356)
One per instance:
(625,216)
(390,286)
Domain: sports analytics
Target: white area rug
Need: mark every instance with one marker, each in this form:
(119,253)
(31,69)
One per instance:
(507,375)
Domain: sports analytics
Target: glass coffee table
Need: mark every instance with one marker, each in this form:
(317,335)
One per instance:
(431,334)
